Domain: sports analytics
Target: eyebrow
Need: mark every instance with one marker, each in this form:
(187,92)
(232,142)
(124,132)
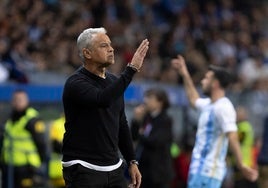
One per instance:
(105,42)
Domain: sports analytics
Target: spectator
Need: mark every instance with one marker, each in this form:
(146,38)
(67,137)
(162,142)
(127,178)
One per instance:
(152,128)
(224,32)
(14,62)
(253,69)
(4,73)
(24,151)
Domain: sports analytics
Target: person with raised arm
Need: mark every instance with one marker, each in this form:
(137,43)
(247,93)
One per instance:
(216,127)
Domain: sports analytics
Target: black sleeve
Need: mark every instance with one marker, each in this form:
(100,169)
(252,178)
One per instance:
(39,136)
(82,92)
(125,139)
(160,136)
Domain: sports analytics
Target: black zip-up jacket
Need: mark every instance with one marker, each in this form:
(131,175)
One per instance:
(96,125)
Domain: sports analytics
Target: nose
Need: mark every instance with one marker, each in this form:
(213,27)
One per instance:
(111,49)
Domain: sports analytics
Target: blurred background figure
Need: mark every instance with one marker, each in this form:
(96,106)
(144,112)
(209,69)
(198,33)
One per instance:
(55,167)
(181,165)
(263,157)
(24,150)
(12,60)
(152,128)
(4,73)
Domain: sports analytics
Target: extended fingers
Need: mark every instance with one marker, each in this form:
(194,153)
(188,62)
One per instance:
(138,181)
(143,48)
(140,53)
(135,177)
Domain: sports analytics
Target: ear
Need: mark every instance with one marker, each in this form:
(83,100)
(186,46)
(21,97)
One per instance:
(86,53)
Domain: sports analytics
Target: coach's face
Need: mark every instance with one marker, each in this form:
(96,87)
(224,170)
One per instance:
(101,51)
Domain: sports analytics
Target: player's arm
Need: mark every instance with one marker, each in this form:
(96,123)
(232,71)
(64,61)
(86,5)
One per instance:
(250,174)
(179,65)
(235,147)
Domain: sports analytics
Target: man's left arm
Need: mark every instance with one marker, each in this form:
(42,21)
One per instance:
(127,150)
(235,147)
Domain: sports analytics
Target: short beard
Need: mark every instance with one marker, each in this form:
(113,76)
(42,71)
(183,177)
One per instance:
(207,92)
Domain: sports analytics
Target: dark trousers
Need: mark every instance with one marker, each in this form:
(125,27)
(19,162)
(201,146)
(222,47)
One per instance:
(147,182)
(78,176)
(154,185)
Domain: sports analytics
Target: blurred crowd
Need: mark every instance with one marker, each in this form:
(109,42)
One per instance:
(38,36)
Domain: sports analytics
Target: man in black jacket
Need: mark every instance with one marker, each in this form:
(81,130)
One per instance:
(96,125)
(152,127)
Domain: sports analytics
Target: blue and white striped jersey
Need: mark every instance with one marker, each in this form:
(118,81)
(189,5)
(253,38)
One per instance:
(211,145)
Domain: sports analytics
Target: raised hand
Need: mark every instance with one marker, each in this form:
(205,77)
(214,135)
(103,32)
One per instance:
(137,60)
(179,65)
(139,112)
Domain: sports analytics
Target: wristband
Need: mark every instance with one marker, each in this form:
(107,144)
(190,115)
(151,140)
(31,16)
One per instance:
(134,162)
(134,67)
